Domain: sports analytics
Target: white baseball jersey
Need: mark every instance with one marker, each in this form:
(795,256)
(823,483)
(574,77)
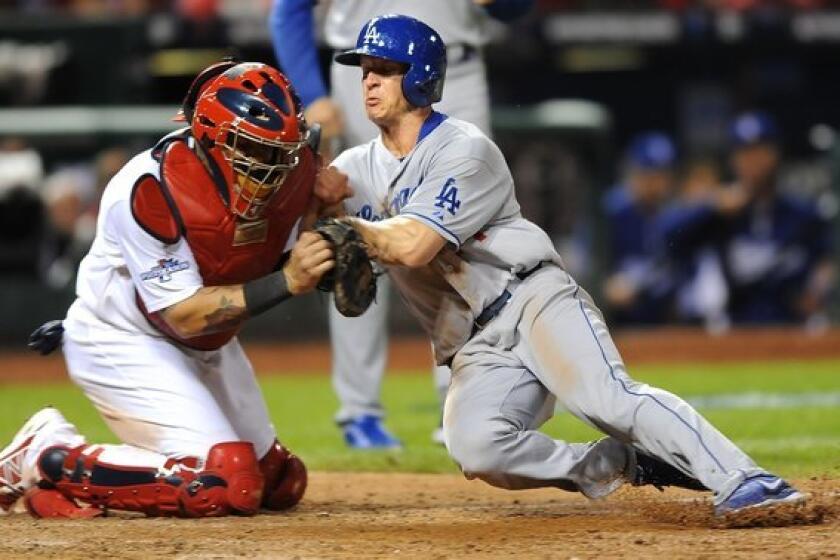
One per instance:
(153,393)
(457,182)
(457,21)
(125,260)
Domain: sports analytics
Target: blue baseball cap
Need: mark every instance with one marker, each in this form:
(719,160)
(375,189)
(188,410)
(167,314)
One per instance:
(652,151)
(753,127)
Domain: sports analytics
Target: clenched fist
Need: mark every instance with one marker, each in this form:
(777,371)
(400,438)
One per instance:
(311,257)
(332,186)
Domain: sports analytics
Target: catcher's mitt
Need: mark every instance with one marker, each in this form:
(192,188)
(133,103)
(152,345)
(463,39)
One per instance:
(353,279)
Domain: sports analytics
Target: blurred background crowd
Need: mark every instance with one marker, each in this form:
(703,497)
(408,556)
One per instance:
(682,154)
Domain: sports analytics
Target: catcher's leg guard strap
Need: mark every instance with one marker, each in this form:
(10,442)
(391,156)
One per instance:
(230,482)
(285,478)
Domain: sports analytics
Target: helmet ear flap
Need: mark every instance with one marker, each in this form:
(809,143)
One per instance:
(425,90)
(197,86)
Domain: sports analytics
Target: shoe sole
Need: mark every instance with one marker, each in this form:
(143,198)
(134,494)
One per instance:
(795,498)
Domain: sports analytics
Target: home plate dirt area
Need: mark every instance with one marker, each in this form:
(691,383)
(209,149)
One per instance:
(444,516)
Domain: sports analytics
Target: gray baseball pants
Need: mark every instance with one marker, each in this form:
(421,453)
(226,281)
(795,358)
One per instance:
(550,341)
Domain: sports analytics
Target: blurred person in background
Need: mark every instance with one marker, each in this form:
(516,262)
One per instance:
(359,345)
(701,291)
(639,288)
(94,8)
(21,209)
(71,195)
(775,249)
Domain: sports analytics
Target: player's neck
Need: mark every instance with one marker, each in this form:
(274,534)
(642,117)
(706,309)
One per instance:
(400,136)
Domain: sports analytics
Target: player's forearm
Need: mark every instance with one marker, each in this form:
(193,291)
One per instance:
(214,309)
(210,310)
(400,241)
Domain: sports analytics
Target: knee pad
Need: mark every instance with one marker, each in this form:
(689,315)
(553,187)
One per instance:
(230,482)
(285,478)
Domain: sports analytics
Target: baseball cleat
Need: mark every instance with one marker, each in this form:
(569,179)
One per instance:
(367,432)
(759,491)
(13,482)
(659,474)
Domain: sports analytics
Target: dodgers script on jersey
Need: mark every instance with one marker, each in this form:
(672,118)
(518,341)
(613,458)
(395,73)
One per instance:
(455,181)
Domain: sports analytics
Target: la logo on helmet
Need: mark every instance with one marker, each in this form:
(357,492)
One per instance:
(372,35)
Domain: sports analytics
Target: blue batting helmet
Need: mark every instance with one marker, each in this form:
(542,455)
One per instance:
(753,127)
(652,151)
(410,41)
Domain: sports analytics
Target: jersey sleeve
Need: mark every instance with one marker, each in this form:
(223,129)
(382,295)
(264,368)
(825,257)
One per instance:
(292,34)
(162,274)
(459,195)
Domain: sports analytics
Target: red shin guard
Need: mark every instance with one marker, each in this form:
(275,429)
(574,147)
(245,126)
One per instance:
(231,482)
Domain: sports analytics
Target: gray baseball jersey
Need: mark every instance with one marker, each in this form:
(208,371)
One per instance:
(549,341)
(455,181)
(457,21)
(359,344)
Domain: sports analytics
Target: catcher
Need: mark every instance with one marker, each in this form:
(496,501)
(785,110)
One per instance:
(194,236)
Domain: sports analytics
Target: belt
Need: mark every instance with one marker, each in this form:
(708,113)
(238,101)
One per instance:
(489,313)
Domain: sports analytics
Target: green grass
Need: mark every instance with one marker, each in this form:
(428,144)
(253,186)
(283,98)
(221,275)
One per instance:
(794,442)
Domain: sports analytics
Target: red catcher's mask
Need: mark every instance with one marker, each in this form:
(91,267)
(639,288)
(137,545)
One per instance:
(250,120)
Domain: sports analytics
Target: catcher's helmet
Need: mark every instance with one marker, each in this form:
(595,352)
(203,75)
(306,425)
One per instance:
(250,119)
(410,41)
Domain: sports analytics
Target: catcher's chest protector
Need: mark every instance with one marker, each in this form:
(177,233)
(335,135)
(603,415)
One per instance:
(187,202)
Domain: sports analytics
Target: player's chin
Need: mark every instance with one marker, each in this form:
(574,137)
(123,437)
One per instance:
(373,113)
(377,117)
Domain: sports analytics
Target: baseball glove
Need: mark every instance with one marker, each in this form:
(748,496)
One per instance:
(352,280)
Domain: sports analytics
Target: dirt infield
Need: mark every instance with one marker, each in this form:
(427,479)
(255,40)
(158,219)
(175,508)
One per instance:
(659,345)
(444,516)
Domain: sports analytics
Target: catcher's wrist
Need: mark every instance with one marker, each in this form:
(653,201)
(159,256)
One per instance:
(293,278)
(264,293)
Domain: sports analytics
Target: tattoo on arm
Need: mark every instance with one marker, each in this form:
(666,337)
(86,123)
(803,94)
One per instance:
(227,313)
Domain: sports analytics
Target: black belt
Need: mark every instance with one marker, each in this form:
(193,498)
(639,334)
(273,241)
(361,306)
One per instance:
(489,313)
